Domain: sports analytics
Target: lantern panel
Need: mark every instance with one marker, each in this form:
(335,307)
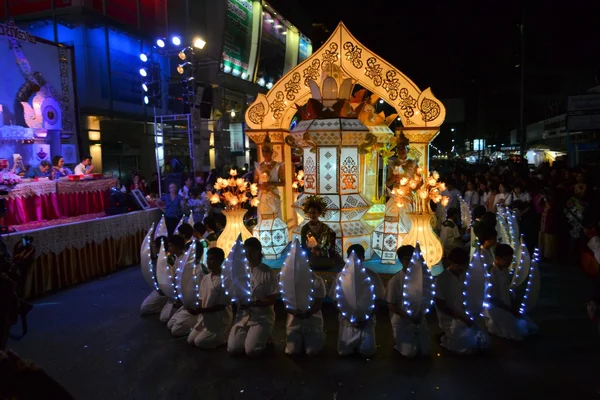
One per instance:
(310,172)
(349,170)
(327,165)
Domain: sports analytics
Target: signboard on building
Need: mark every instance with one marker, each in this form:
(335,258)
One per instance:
(236,135)
(238,36)
(479,145)
(584,112)
(303,49)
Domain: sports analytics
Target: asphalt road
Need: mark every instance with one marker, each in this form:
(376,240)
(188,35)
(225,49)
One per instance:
(92,340)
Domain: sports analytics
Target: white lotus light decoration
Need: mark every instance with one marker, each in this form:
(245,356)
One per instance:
(296,280)
(165,276)
(235,278)
(355,291)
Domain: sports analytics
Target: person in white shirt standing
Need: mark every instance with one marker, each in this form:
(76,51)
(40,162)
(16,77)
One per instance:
(84,167)
(254,322)
(411,334)
(215,317)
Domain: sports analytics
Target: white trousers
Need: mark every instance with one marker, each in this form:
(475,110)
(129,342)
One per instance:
(501,323)
(153,303)
(461,339)
(410,338)
(304,335)
(167,312)
(182,322)
(356,340)
(205,339)
(249,339)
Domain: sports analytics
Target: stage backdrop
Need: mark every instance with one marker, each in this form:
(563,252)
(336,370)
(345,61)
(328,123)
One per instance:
(27,64)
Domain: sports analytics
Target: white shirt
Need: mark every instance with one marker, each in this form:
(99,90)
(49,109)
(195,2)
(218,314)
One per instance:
(500,198)
(319,292)
(500,288)
(184,192)
(472,198)
(212,294)
(80,169)
(263,283)
(449,288)
(394,293)
(449,236)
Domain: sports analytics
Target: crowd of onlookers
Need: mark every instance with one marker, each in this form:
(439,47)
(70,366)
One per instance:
(554,203)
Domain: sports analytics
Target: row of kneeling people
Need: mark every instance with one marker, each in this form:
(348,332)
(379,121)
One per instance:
(212,324)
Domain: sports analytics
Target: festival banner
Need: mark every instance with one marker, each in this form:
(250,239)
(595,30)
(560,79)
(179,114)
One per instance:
(236,135)
(238,36)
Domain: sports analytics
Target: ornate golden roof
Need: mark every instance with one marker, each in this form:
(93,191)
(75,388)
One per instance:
(343,57)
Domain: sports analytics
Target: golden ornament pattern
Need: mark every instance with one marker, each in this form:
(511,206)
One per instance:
(277,106)
(430,109)
(330,56)
(373,71)
(353,54)
(292,87)
(391,84)
(257,113)
(407,103)
(311,73)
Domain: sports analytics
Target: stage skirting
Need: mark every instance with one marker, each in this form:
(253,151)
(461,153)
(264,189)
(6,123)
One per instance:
(48,200)
(79,252)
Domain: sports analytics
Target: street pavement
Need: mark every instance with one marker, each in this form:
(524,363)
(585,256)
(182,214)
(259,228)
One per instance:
(93,341)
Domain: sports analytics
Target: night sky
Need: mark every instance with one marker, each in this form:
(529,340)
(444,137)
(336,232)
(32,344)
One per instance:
(471,49)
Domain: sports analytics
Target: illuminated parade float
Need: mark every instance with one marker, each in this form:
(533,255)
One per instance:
(348,151)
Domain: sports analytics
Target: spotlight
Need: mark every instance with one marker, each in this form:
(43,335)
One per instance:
(269,85)
(146,100)
(380,101)
(199,43)
(143,72)
(180,69)
(143,57)
(160,43)
(145,87)
(176,40)
(232,113)
(261,81)
(181,55)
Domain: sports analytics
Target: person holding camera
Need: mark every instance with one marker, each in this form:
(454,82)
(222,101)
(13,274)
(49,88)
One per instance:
(21,379)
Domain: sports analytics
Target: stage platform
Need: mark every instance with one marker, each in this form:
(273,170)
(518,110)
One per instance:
(78,249)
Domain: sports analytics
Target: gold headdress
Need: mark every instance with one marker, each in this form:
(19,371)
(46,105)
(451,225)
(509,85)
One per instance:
(402,140)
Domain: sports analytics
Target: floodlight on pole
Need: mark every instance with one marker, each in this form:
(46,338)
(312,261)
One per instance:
(199,43)
(176,40)
(143,57)
(143,72)
(160,43)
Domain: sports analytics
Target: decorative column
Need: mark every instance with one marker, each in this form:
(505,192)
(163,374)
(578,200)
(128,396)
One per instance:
(272,231)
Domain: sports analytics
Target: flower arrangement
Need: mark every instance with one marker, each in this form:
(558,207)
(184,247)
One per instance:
(298,180)
(9,179)
(234,192)
(417,192)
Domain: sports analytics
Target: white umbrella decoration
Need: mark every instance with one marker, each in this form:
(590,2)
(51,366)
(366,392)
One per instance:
(354,291)
(161,229)
(532,291)
(523,262)
(296,280)
(475,285)
(164,275)
(419,286)
(235,278)
(187,279)
(148,271)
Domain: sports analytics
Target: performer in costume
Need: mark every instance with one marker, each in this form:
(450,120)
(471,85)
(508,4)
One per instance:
(156,300)
(502,317)
(176,249)
(268,175)
(359,337)
(401,166)
(461,335)
(411,333)
(185,318)
(303,293)
(215,317)
(254,322)
(317,238)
